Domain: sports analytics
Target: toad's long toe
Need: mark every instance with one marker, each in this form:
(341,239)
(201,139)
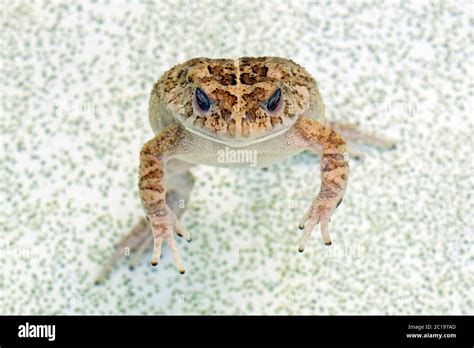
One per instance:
(175,252)
(325,231)
(157,243)
(308,229)
(305,217)
(180,231)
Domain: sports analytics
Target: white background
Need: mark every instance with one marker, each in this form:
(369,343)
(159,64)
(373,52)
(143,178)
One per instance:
(76,80)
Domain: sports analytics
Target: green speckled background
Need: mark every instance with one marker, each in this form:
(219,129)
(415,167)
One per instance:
(76,79)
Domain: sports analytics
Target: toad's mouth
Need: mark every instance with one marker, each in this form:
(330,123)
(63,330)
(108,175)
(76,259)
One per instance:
(236,141)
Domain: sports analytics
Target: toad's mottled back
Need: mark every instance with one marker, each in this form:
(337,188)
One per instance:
(236,102)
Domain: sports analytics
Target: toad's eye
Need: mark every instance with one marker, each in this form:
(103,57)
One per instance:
(274,100)
(202,100)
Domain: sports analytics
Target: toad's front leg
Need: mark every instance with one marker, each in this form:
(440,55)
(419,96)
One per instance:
(314,136)
(161,218)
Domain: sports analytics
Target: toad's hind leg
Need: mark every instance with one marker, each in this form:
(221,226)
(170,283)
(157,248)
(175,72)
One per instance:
(352,134)
(140,239)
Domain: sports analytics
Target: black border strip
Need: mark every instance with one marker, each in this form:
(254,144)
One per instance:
(262,330)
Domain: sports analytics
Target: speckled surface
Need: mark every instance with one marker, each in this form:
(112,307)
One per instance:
(76,80)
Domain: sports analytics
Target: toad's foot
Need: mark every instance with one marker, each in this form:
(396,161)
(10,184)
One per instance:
(320,211)
(140,239)
(163,222)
